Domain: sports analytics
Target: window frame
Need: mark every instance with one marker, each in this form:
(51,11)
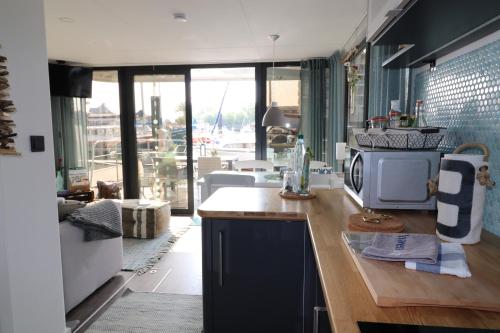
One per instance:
(360,47)
(127,113)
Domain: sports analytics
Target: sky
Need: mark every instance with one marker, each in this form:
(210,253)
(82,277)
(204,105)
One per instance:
(206,94)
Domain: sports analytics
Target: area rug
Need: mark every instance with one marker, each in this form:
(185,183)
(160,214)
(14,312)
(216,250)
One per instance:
(151,313)
(139,255)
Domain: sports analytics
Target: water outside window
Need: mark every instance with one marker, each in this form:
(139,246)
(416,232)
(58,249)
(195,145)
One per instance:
(285,91)
(223,104)
(103,130)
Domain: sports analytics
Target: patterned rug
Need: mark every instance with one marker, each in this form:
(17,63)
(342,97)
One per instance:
(139,255)
(151,312)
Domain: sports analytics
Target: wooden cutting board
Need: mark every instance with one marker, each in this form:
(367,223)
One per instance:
(391,284)
(388,225)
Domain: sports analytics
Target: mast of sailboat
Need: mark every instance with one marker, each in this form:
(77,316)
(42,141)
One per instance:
(219,114)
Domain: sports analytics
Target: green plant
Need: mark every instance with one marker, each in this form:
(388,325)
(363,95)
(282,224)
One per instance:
(353,75)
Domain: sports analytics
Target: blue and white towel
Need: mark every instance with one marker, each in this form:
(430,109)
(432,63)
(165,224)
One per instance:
(421,248)
(451,260)
(322,171)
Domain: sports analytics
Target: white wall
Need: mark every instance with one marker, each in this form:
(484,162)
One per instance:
(31,294)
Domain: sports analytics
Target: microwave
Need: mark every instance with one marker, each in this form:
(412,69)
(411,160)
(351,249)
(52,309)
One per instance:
(390,179)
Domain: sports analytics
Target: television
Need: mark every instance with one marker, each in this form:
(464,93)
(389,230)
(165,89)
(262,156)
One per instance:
(70,81)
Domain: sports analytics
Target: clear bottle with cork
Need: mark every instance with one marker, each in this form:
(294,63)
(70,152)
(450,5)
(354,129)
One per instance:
(420,117)
(395,114)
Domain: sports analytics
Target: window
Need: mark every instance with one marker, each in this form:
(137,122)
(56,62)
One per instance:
(103,129)
(285,91)
(223,102)
(356,94)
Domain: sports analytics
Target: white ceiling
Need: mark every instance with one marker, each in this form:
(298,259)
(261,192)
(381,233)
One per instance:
(131,32)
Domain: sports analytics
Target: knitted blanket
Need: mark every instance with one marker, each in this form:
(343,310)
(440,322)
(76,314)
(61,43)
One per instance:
(100,220)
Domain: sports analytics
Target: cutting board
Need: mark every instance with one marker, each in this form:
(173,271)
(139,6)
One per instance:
(391,284)
(356,223)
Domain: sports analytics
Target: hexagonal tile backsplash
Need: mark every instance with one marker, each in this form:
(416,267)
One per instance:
(463,95)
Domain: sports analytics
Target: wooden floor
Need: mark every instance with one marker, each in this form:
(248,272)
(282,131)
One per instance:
(178,272)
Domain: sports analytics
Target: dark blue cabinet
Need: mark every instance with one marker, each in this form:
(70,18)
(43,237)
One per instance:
(254,276)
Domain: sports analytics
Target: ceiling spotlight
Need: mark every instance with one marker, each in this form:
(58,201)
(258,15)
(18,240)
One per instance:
(180,17)
(66,19)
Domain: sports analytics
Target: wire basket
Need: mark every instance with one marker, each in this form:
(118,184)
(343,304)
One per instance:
(403,139)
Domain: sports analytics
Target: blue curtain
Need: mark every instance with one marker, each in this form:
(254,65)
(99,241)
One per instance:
(69,126)
(385,84)
(313,104)
(335,111)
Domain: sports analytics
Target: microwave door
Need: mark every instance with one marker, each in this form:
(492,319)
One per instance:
(356,172)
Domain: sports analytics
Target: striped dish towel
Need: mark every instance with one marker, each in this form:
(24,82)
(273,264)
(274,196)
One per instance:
(451,260)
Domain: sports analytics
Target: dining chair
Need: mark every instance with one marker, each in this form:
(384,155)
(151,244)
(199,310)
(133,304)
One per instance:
(146,175)
(253,165)
(215,181)
(207,164)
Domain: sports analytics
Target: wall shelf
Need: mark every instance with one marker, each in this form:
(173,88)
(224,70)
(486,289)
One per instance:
(436,28)
(399,59)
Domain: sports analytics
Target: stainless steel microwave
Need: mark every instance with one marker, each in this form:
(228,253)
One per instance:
(390,179)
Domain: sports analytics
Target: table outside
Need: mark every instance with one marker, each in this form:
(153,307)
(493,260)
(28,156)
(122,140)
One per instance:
(262,178)
(227,159)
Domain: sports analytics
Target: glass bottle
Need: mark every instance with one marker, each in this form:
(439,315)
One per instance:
(298,159)
(304,179)
(420,120)
(59,181)
(395,114)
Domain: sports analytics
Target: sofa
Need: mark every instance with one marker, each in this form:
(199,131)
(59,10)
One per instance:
(86,265)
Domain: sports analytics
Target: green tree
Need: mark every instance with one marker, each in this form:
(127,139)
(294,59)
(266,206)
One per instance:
(180,114)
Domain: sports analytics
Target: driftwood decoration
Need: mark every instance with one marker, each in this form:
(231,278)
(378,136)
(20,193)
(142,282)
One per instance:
(7,125)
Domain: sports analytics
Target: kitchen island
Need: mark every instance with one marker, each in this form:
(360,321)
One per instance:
(347,298)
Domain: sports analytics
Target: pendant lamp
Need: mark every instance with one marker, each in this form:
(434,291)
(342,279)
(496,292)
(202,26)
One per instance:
(273,115)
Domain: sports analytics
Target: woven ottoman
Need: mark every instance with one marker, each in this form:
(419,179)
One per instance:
(144,218)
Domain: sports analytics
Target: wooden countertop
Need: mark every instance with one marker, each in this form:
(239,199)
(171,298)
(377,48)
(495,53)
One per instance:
(252,202)
(347,297)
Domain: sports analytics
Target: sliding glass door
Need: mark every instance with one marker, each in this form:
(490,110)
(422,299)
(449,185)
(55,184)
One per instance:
(162,139)
(162,129)
(104,130)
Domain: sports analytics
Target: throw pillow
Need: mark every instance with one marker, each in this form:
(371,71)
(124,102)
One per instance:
(108,190)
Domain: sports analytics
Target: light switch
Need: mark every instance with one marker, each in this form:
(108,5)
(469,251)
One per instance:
(37,143)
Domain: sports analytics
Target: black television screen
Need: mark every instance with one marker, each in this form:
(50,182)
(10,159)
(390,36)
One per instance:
(70,81)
